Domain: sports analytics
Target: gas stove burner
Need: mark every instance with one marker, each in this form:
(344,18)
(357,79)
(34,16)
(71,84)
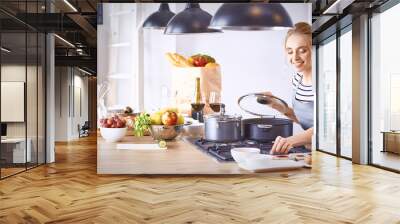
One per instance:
(222,151)
(236,144)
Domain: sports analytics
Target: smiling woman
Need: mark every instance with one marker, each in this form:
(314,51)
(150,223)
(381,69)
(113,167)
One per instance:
(298,51)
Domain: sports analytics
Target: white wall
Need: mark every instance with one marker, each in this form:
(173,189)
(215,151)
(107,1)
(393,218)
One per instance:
(16,73)
(69,81)
(117,50)
(156,73)
(61,103)
(33,126)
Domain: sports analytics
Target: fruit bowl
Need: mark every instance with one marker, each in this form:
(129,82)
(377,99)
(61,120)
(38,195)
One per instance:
(165,132)
(112,134)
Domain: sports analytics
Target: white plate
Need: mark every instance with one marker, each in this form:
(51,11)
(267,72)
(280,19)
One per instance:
(262,163)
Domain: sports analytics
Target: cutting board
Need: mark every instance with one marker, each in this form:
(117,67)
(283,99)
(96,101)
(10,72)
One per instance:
(141,147)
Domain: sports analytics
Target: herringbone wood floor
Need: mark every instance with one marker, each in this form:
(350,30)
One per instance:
(69,191)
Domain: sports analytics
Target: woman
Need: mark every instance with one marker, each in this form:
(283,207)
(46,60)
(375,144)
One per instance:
(298,51)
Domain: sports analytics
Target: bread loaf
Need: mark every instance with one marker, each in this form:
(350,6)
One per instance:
(182,61)
(172,60)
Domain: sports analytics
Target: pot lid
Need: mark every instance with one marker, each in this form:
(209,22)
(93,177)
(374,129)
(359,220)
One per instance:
(224,117)
(261,104)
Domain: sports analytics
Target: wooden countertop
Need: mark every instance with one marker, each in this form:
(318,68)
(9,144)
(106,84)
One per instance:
(181,157)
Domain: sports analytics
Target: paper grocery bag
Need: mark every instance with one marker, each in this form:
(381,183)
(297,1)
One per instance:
(184,84)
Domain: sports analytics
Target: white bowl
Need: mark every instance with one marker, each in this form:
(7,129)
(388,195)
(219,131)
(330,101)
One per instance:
(240,155)
(112,134)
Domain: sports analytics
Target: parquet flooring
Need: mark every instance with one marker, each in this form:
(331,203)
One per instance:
(70,191)
(10,171)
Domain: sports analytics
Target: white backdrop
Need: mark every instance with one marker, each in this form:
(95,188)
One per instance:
(251,61)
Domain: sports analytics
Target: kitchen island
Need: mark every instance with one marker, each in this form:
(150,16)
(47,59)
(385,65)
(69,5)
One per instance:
(181,157)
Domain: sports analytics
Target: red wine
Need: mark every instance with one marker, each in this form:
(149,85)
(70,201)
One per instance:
(197,106)
(216,107)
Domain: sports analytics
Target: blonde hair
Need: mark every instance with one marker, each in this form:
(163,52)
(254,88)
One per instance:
(302,28)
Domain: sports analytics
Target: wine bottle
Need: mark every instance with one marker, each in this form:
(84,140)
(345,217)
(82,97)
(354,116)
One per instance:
(197,104)
(197,93)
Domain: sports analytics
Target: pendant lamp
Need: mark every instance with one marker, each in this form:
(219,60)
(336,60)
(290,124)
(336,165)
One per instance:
(191,20)
(159,19)
(251,16)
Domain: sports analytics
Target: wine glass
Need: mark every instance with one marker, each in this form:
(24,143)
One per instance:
(215,101)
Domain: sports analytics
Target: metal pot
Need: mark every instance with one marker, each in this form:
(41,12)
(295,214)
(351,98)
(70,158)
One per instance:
(266,129)
(223,128)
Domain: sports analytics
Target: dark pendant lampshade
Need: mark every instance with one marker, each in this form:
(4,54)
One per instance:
(191,20)
(159,19)
(251,16)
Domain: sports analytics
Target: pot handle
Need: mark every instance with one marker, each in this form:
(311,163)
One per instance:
(264,126)
(268,116)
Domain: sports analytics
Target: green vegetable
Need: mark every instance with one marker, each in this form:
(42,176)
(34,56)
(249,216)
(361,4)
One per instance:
(142,124)
(209,58)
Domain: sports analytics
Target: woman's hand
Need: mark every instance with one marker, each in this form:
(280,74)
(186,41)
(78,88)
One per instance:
(288,112)
(272,102)
(282,145)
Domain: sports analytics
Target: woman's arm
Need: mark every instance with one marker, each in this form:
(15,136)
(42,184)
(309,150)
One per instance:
(290,114)
(303,138)
(283,145)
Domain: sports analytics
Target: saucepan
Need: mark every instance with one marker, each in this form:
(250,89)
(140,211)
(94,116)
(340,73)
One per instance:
(223,128)
(265,127)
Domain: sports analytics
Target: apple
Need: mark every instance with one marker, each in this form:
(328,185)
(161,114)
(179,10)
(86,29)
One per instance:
(169,118)
(113,122)
(199,61)
(110,121)
(119,124)
(181,119)
(156,118)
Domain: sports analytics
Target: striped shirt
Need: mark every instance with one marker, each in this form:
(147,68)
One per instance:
(304,92)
